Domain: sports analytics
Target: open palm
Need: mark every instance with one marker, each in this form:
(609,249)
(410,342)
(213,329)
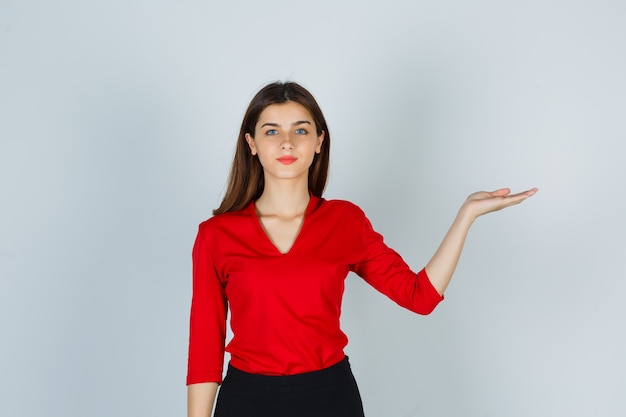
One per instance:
(484,202)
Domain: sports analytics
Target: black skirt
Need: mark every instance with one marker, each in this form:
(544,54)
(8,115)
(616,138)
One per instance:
(330,392)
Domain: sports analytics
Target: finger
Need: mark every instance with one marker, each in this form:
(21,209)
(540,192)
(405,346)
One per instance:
(500,192)
(513,199)
(526,194)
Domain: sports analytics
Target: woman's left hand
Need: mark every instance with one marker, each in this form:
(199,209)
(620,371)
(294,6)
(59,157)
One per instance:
(484,202)
(441,266)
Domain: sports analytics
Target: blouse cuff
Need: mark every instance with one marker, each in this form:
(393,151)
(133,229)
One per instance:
(429,293)
(207,377)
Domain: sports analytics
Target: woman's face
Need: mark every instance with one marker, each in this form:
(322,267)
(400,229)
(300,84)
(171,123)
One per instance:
(285,140)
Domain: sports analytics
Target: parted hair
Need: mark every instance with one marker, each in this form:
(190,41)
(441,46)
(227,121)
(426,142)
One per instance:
(246,180)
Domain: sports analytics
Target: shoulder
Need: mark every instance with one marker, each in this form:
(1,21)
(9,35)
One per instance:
(343,208)
(224,221)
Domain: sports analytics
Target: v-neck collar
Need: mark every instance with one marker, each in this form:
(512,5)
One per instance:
(311,206)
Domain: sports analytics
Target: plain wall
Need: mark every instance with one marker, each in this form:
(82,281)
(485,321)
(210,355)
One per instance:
(117,128)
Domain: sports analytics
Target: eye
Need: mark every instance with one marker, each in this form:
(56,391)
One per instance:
(301,131)
(271,132)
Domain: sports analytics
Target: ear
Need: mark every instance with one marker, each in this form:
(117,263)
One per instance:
(320,139)
(250,141)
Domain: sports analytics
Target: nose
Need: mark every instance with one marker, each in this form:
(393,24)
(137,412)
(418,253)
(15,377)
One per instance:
(287,143)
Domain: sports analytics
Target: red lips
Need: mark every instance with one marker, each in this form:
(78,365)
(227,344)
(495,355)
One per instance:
(286,160)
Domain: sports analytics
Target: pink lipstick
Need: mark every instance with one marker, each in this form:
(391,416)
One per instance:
(287,160)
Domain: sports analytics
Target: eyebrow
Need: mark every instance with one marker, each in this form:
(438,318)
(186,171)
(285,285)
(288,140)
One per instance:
(299,122)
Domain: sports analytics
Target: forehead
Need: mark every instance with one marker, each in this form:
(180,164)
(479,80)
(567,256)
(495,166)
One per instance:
(285,113)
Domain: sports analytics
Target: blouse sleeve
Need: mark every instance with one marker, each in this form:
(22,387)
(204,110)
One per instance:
(385,270)
(207,329)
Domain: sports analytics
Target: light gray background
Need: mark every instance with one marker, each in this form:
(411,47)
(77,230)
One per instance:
(117,127)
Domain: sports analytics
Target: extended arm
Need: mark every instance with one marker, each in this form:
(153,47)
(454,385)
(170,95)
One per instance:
(200,398)
(443,263)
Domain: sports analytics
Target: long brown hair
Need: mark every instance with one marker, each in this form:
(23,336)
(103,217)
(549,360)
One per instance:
(246,180)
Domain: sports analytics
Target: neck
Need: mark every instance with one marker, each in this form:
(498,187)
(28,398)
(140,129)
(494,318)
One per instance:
(283,198)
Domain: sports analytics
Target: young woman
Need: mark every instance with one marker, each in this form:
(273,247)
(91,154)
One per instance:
(276,253)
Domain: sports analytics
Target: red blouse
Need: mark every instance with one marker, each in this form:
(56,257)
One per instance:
(285,308)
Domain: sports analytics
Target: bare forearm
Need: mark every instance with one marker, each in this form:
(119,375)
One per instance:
(441,266)
(200,399)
